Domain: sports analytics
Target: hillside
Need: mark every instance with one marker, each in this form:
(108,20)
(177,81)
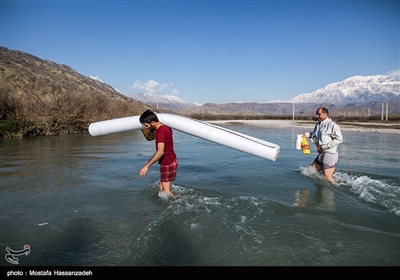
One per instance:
(40,97)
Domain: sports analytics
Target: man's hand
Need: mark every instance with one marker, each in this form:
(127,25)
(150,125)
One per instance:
(143,171)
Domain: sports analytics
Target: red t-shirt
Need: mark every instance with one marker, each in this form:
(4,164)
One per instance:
(164,135)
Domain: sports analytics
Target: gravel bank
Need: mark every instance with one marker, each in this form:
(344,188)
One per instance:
(308,125)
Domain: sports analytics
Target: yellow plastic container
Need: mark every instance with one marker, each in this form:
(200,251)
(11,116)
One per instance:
(305,146)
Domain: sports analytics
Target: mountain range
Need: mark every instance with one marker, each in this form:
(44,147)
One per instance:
(364,93)
(378,88)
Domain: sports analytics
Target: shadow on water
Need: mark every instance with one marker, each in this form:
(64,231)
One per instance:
(166,247)
(72,243)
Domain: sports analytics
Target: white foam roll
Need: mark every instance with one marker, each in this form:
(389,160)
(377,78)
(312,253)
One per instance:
(115,126)
(201,129)
(223,136)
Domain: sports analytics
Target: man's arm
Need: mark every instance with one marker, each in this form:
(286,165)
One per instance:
(337,137)
(157,155)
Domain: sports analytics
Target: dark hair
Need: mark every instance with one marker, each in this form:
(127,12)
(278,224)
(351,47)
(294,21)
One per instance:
(323,110)
(148,116)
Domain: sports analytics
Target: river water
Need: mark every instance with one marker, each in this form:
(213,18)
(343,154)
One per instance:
(77,200)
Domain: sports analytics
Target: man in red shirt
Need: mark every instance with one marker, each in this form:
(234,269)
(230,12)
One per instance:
(164,155)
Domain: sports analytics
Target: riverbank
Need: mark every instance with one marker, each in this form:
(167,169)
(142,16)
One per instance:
(382,127)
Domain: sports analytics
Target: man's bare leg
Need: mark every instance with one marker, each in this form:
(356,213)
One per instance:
(166,187)
(328,173)
(317,167)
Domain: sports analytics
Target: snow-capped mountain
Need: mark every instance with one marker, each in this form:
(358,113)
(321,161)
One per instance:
(166,101)
(154,98)
(379,88)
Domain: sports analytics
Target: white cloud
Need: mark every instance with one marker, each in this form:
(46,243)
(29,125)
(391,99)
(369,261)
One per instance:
(151,86)
(164,86)
(175,92)
(96,78)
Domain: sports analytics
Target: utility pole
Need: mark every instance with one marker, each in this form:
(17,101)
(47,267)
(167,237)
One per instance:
(293,111)
(387,111)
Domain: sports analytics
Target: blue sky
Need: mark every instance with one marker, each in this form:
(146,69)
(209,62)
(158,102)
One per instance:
(209,51)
